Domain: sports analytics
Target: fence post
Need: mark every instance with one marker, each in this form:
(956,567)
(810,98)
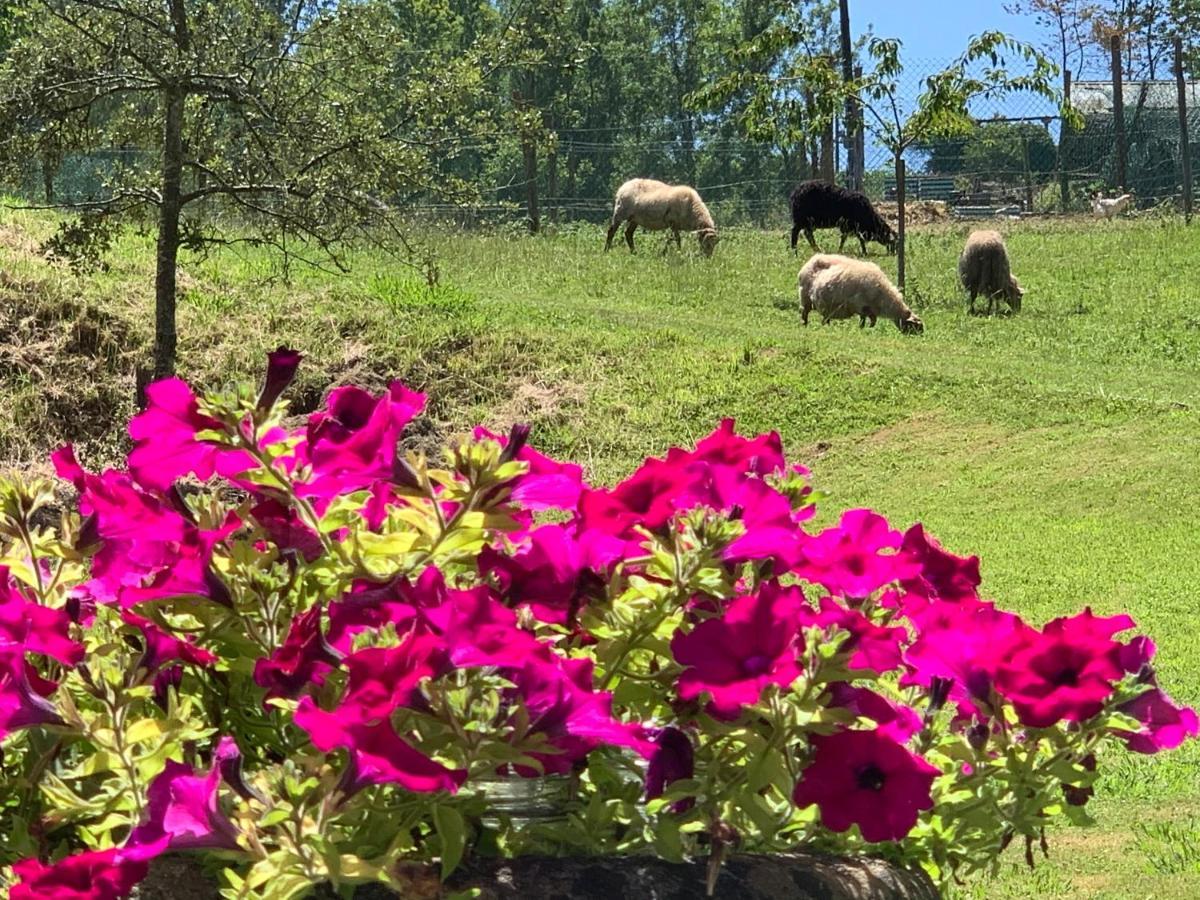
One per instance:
(1118,109)
(1028,173)
(1064,179)
(1185,141)
(849,121)
(900,221)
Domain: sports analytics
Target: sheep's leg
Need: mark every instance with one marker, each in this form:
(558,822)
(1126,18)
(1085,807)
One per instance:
(805,309)
(612,230)
(863,243)
(812,241)
(842,243)
(629,230)
(972,307)
(862,318)
(795,234)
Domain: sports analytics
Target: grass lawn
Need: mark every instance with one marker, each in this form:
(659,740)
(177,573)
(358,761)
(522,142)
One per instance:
(1061,445)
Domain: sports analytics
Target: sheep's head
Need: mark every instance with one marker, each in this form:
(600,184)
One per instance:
(708,240)
(888,238)
(911,325)
(1014,293)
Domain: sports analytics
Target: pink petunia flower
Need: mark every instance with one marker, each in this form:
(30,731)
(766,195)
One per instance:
(163,648)
(22,705)
(165,446)
(37,628)
(871,647)
(735,657)
(866,779)
(479,630)
(1165,725)
(942,575)
(546,573)
(849,559)
(352,442)
(673,759)
(724,447)
(1066,671)
(383,678)
(562,705)
(91,875)
(548,484)
(303,660)
(894,720)
(377,754)
(182,813)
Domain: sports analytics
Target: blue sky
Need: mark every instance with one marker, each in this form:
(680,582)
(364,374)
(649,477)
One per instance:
(937,30)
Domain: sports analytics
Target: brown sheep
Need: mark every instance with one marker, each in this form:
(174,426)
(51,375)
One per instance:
(983,268)
(657,206)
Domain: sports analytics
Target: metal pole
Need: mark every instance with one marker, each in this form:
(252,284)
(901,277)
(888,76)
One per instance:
(900,223)
(1185,141)
(1063,179)
(1118,110)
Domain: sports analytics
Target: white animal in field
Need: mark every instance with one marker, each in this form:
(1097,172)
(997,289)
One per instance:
(841,287)
(1107,207)
(656,206)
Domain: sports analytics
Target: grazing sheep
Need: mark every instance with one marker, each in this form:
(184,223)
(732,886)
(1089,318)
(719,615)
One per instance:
(816,204)
(839,287)
(1107,208)
(983,268)
(656,206)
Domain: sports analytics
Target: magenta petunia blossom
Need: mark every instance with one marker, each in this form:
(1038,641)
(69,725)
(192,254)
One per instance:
(894,720)
(22,704)
(377,754)
(369,605)
(1066,671)
(960,642)
(165,446)
(649,498)
(735,657)
(92,875)
(772,531)
(302,661)
(562,705)
(724,447)
(673,759)
(37,628)
(281,370)
(383,678)
(871,647)
(352,442)
(942,575)
(866,779)
(849,559)
(545,573)
(548,484)
(1164,724)
(163,648)
(182,813)
(479,630)
(285,529)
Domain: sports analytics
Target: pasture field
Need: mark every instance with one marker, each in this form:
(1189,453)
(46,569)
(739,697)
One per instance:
(1062,445)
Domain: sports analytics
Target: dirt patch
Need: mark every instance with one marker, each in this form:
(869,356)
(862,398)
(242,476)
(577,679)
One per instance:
(66,372)
(18,243)
(918,212)
(537,402)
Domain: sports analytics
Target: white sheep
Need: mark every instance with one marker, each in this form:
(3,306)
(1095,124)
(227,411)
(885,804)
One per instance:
(657,206)
(983,268)
(1107,208)
(839,287)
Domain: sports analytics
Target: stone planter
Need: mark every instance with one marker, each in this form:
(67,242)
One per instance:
(793,876)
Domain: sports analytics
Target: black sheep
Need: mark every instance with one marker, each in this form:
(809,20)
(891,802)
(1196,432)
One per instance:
(816,204)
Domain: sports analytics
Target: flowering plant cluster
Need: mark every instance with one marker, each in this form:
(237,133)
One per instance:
(312,656)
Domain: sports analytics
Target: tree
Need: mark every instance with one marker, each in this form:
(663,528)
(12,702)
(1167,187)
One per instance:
(994,150)
(302,118)
(943,109)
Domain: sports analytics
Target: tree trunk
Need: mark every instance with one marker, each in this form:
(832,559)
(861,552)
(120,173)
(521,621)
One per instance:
(827,151)
(48,177)
(849,119)
(552,184)
(1185,138)
(168,235)
(1118,110)
(529,151)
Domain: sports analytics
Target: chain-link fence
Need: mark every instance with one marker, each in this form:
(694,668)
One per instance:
(1019,158)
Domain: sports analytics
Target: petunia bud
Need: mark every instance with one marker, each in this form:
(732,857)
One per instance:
(229,758)
(977,736)
(939,690)
(281,369)
(518,437)
(403,474)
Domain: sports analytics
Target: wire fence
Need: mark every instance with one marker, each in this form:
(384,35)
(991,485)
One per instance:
(1019,158)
